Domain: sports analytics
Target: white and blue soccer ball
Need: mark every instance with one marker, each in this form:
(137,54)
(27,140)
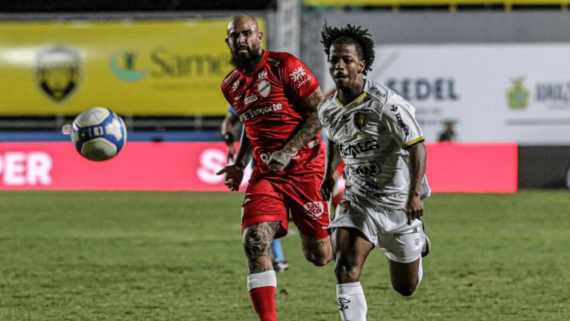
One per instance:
(98,134)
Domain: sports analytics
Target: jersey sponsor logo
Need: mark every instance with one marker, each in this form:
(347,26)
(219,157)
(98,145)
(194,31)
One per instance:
(354,150)
(377,91)
(273,61)
(250,114)
(250,99)
(365,170)
(360,120)
(304,81)
(230,77)
(58,72)
(376,195)
(366,185)
(262,74)
(297,74)
(405,127)
(264,88)
(235,85)
(314,209)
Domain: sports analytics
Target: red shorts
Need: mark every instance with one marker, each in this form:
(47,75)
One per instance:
(271,198)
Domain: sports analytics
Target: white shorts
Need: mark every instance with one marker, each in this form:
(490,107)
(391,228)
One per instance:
(386,228)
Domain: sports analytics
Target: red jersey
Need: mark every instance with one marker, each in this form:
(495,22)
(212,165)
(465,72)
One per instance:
(267,102)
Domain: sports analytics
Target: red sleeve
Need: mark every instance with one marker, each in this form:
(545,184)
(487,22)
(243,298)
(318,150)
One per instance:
(225,85)
(297,78)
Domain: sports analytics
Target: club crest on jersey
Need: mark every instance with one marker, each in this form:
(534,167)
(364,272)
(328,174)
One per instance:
(250,99)
(394,108)
(298,73)
(58,72)
(360,120)
(314,209)
(264,88)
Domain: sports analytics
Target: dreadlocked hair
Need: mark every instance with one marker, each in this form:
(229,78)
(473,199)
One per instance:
(350,34)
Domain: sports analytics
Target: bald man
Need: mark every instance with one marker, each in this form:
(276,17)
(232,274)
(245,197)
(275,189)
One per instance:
(276,97)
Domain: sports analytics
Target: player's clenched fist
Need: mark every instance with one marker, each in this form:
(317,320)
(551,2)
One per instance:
(327,187)
(278,160)
(234,176)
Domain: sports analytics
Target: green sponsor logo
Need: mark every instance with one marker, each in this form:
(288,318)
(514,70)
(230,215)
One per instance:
(518,95)
(123,66)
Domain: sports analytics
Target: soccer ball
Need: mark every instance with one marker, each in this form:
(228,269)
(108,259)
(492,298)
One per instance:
(98,134)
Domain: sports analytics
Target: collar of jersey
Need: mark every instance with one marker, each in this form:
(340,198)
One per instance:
(357,99)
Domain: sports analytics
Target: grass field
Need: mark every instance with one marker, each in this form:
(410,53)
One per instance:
(178,256)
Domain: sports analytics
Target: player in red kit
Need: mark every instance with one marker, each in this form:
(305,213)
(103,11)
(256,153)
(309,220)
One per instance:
(276,97)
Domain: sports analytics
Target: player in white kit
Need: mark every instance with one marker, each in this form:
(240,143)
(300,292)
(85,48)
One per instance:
(375,132)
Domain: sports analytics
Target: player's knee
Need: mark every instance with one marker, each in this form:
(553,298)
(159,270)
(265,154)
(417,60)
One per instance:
(404,289)
(346,273)
(318,259)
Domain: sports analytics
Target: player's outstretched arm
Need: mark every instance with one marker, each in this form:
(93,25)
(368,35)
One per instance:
(415,206)
(310,128)
(234,173)
(332,162)
(227,132)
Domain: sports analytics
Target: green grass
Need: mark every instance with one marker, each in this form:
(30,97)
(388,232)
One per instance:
(178,256)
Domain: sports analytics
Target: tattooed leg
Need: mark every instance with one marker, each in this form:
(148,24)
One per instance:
(257,240)
(318,252)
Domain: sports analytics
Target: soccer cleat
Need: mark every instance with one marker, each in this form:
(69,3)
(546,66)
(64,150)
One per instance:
(427,247)
(280,265)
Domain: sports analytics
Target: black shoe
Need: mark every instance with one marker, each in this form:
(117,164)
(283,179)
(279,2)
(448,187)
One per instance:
(280,265)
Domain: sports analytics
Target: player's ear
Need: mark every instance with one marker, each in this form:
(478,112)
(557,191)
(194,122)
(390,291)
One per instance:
(362,66)
(228,42)
(260,36)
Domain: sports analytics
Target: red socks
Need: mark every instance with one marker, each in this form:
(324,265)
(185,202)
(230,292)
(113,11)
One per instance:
(261,288)
(264,302)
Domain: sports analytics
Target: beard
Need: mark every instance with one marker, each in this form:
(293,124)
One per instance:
(246,63)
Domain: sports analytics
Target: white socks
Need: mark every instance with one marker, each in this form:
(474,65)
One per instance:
(351,302)
(420,272)
(261,280)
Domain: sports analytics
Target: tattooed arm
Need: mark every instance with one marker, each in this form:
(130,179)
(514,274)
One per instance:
(312,126)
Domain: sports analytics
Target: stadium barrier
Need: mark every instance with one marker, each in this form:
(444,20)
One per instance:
(192,166)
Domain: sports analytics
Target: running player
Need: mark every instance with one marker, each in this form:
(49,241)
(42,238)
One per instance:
(227,131)
(375,132)
(276,98)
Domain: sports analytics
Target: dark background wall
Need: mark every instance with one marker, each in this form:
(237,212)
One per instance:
(132,5)
(543,166)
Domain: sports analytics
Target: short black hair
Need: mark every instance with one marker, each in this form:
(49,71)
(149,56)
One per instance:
(350,34)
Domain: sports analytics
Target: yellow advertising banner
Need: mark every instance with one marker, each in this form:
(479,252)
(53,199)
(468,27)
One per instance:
(139,68)
(340,3)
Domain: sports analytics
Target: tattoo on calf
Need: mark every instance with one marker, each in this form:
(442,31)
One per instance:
(257,241)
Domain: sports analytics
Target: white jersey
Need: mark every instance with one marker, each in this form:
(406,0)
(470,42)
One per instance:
(371,134)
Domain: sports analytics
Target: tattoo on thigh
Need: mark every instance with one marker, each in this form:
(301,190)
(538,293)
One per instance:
(257,241)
